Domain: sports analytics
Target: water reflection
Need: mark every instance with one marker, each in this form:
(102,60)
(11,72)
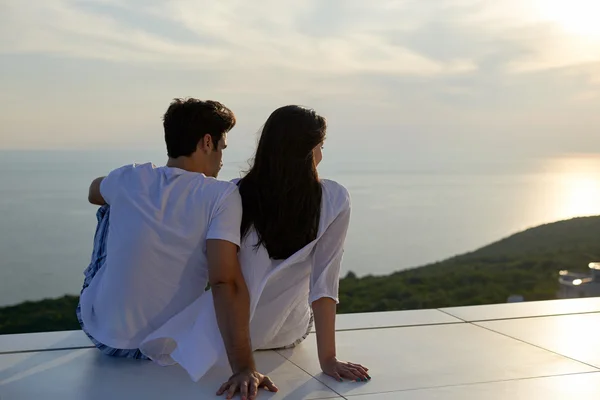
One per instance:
(576,184)
(435,212)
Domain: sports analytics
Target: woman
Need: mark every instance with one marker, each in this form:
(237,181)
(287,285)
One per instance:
(293,230)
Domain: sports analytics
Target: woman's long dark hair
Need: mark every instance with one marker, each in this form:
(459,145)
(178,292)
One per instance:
(281,193)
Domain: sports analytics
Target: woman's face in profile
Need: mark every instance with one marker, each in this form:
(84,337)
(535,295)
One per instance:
(318,153)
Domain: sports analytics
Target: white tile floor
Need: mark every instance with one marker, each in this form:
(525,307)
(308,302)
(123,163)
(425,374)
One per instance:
(426,356)
(524,310)
(43,341)
(86,374)
(414,355)
(565,387)
(575,336)
(390,319)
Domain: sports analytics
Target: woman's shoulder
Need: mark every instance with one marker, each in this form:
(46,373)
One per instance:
(335,194)
(334,187)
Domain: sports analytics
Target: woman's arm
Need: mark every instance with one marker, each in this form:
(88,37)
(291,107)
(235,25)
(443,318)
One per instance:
(324,311)
(324,285)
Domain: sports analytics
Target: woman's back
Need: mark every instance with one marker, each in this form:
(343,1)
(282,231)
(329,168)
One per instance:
(281,193)
(281,290)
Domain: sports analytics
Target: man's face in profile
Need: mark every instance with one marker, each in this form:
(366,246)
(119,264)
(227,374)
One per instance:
(216,156)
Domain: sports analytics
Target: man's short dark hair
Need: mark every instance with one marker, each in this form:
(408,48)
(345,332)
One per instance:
(187,121)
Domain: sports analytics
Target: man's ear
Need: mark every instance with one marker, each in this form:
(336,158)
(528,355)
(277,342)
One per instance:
(206,143)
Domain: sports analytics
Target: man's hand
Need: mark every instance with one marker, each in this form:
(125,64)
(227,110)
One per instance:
(247,384)
(340,369)
(232,303)
(232,307)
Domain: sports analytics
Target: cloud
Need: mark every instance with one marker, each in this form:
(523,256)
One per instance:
(476,68)
(337,37)
(222,35)
(63,29)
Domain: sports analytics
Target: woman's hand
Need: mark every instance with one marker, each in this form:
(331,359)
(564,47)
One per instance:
(341,369)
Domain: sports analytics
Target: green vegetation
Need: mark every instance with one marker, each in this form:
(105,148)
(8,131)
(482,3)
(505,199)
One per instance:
(526,263)
(40,316)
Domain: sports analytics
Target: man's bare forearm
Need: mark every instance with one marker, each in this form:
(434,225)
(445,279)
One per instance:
(94,195)
(232,307)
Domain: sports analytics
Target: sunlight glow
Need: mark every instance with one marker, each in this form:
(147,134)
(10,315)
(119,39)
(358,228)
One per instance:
(577,186)
(582,196)
(579,17)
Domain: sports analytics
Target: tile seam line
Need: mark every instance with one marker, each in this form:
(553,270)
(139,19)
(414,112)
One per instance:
(537,346)
(460,321)
(43,350)
(314,377)
(337,330)
(451,315)
(350,396)
(524,317)
(398,326)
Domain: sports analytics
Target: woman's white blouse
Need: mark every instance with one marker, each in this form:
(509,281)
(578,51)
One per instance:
(281,292)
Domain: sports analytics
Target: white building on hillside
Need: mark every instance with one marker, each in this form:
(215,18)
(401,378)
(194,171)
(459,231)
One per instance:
(577,284)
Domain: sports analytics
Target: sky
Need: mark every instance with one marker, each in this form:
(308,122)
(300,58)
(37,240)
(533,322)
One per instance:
(478,76)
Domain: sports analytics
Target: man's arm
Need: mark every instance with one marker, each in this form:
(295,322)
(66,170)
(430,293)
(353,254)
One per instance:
(232,307)
(232,300)
(94,195)
(232,303)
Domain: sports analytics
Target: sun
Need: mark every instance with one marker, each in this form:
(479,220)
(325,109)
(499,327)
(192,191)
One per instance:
(578,17)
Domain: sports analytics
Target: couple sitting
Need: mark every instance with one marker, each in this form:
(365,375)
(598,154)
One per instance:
(269,245)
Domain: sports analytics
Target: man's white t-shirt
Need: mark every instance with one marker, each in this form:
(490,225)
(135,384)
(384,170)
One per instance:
(160,219)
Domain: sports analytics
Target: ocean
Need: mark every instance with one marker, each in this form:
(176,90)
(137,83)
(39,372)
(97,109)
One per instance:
(408,210)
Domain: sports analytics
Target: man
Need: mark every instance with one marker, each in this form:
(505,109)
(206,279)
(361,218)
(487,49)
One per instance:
(168,231)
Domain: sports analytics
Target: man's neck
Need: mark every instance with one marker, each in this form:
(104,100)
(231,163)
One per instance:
(184,163)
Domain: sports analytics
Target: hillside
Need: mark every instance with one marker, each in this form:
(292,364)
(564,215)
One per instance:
(526,263)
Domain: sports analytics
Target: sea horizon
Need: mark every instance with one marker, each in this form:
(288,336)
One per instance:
(408,211)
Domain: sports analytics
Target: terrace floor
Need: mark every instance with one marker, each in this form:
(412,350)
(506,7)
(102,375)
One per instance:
(521,351)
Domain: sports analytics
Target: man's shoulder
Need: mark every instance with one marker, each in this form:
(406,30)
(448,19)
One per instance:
(215,189)
(133,168)
(137,166)
(218,185)
(123,178)
(207,184)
